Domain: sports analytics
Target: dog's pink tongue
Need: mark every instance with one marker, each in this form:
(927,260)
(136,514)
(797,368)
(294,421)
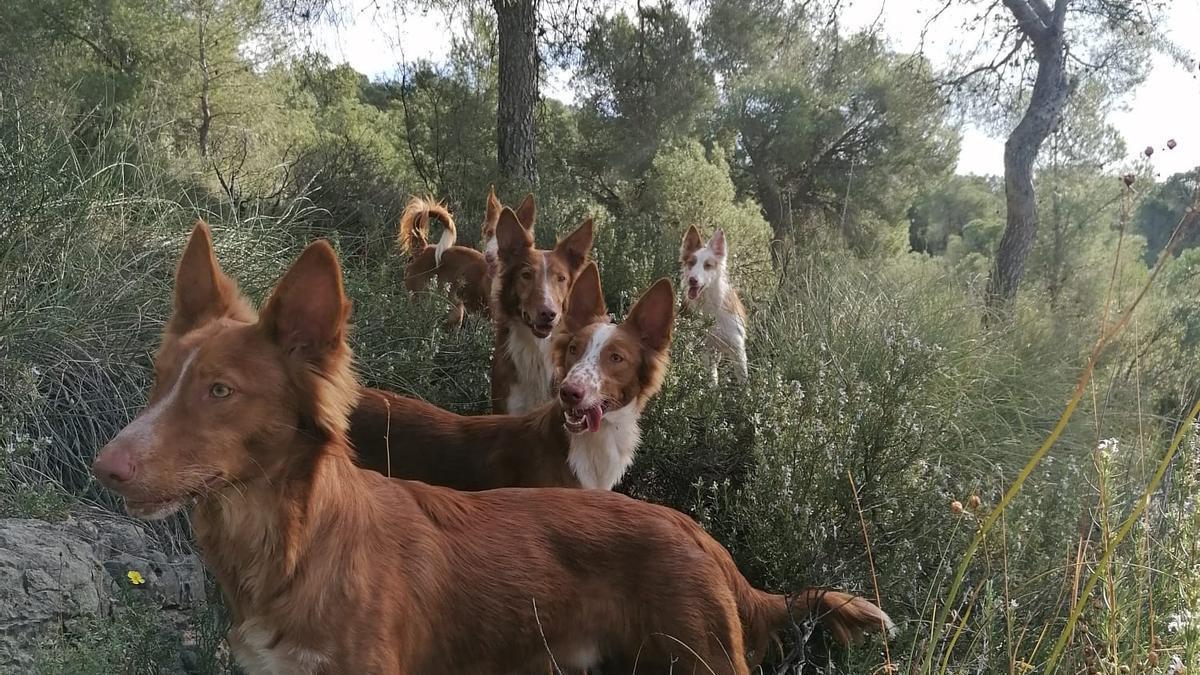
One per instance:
(593,415)
(693,292)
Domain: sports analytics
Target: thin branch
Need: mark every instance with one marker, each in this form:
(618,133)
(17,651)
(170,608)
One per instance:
(99,51)
(993,66)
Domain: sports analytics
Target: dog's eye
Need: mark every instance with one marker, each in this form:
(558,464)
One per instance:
(562,278)
(709,265)
(572,349)
(527,274)
(615,357)
(220,390)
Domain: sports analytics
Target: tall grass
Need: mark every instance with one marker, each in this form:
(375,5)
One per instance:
(877,401)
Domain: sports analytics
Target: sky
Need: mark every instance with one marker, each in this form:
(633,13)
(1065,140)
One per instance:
(375,40)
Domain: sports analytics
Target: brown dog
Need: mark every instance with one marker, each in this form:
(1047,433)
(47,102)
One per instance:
(528,297)
(328,568)
(467,272)
(585,438)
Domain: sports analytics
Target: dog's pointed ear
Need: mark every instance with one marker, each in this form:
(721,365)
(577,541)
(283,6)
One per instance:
(492,214)
(202,291)
(512,240)
(585,305)
(307,312)
(691,242)
(527,212)
(717,243)
(653,316)
(578,245)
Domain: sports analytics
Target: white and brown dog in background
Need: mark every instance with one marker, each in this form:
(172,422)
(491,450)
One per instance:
(704,280)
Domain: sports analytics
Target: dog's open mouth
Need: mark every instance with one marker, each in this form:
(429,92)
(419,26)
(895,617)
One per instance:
(579,420)
(693,291)
(540,329)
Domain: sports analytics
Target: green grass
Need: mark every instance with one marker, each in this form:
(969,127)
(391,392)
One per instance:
(136,639)
(879,371)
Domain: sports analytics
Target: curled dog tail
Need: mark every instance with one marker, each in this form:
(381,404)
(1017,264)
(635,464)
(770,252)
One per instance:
(413,234)
(848,618)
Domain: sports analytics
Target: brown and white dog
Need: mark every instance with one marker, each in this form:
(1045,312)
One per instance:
(467,272)
(586,438)
(528,298)
(705,284)
(328,568)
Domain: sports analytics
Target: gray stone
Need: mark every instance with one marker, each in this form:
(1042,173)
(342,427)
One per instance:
(54,574)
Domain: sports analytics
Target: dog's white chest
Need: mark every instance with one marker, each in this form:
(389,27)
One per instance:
(601,457)
(534,377)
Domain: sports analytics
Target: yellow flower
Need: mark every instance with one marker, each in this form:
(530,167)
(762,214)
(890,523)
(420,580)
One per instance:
(135,577)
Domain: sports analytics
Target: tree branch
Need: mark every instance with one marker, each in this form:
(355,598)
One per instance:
(1028,20)
(109,59)
(994,65)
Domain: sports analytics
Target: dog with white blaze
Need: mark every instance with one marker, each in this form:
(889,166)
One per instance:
(704,279)
(607,373)
(584,438)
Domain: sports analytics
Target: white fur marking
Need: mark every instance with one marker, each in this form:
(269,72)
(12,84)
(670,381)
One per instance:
(143,428)
(249,642)
(446,241)
(531,360)
(599,458)
(547,300)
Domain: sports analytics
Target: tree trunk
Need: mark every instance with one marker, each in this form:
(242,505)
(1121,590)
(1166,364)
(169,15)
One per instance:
(206,115)
(1051,90)
(516,22)
(771,197)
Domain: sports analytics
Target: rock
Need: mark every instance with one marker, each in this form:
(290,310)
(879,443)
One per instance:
(53,575)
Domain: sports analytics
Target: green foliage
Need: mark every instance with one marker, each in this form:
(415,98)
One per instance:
(845,136)
(874,365)
(947,208)
(135,638)
(642,85)
(683,186)
(1162,210)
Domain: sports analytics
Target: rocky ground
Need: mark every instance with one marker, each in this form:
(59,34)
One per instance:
(60,579)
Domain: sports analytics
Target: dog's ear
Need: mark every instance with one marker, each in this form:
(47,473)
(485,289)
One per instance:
(202,291)
(307,312)
(691,242)
(585,305)
(512,240)
(577,246)
(492,213)
(527,212)
(653,316)
(717,243)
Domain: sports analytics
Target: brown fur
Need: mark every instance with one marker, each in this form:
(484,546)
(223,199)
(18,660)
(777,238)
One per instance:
(464,270)
(403,437)
(327,568)
(520,304)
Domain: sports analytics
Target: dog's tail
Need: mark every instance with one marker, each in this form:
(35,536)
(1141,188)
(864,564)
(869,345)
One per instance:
(413,234)
(848,618)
